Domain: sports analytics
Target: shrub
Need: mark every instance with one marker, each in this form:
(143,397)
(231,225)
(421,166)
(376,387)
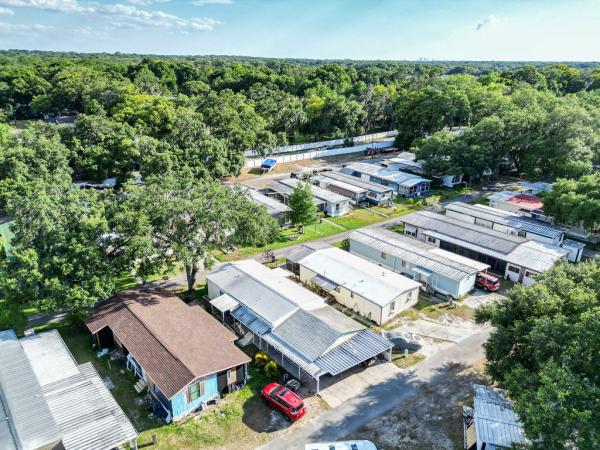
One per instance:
(271,369)
(261,359)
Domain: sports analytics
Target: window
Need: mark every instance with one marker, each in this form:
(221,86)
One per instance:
(195,391)
(410,233)
(513,269)
(403,263)
(522,233)
(383,255)
(431,239)
(351,294)
(409,297)
(392,307)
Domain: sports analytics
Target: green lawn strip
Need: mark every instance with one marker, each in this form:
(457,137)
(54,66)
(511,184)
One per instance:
(404,362)
(311,232)
(359,217)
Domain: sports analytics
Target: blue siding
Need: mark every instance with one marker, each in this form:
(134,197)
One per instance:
(179,405)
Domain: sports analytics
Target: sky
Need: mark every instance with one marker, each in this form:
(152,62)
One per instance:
(510,30)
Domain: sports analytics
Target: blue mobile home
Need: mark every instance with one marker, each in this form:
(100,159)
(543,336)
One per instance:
(404,184)
(182,355)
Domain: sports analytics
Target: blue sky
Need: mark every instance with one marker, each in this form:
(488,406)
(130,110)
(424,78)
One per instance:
(565,30)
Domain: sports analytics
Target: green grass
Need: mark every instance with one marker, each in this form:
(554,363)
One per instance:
(311,232)
(403,362)
(437,310)
(359,217)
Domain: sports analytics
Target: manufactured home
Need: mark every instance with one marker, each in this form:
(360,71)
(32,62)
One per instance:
(331,203)
(404,184)
(375,193)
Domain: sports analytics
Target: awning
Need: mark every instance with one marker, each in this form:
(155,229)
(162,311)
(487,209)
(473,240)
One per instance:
(422,271)
(251,320)
(324,283)
(224,303)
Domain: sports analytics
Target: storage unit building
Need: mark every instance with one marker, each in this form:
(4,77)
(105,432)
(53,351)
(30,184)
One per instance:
(377,194)
(329,202)
(292,324)
(404,184)
(437,270)
(183,354)
(514,257)
(376,293)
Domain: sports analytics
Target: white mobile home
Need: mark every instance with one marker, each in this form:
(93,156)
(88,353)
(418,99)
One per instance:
(436,269)
(378,194)
(329,202)
(405,184)
(376,293)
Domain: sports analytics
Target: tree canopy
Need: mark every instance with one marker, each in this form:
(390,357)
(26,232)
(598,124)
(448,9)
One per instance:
(302,203)
(544,351)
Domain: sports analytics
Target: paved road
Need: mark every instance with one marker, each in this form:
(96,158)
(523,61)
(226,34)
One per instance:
(349,417)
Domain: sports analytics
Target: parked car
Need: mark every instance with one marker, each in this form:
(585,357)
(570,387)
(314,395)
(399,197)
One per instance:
(268,165)
(284,400)
(487,282)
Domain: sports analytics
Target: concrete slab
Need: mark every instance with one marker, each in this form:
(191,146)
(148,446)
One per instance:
(338,390)
(437,331)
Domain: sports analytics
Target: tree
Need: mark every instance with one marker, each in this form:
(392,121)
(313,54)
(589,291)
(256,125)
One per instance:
(190,218)
(302,203)
(544,351)
(575,201)
(61,254)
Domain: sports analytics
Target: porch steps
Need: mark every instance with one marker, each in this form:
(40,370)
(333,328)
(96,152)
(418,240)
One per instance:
(140,386)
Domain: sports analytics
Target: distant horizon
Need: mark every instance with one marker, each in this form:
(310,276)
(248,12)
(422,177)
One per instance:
(375,30)
(283,58)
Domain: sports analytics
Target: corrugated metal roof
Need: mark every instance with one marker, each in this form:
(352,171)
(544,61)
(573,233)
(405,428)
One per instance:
(87,415)
(252,321)
(300,251)
(367,185)
(506,218)
(415,252)
(536,256)
(376,284)
(352,188)
(273,206)
(462,231)
(360,347)
(569,243)
(30,424)
(324,283)
(503,195)
(395,176)
(496,422)
(323,194)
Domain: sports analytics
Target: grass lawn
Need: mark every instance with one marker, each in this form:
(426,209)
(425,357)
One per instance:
(127,280)
(288,238)
(359,217)
(404,362)
(437,310)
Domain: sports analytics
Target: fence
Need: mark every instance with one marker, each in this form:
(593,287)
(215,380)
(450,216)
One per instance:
(321,144)
(310,154)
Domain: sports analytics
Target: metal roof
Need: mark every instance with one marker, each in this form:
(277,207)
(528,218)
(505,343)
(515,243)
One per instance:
(323,194)
(503,195)
(340,184)
(252,321)
(29,424)
(367,185)
(496,422)
(267,292)
(416,253)
(302,250)
(395,176)
(273,206)
(286,190)
(443,226)
(360,347)
(324,283)
(536,256)
(87,415)
(506,218)
(569,243)
(379,285)
(225,303)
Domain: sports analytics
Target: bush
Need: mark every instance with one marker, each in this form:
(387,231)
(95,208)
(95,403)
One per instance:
(271,369)
(261,359)
(345,245)
(11,316)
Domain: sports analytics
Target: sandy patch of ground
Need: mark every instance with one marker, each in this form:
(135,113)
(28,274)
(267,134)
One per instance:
(430,420)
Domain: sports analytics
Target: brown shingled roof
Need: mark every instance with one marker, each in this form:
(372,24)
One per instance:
(173,342)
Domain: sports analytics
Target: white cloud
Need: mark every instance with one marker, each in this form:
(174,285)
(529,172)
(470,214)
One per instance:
(212,2)
(6,12)
(146,2)
(20,28)
(489,20)
(49,5)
